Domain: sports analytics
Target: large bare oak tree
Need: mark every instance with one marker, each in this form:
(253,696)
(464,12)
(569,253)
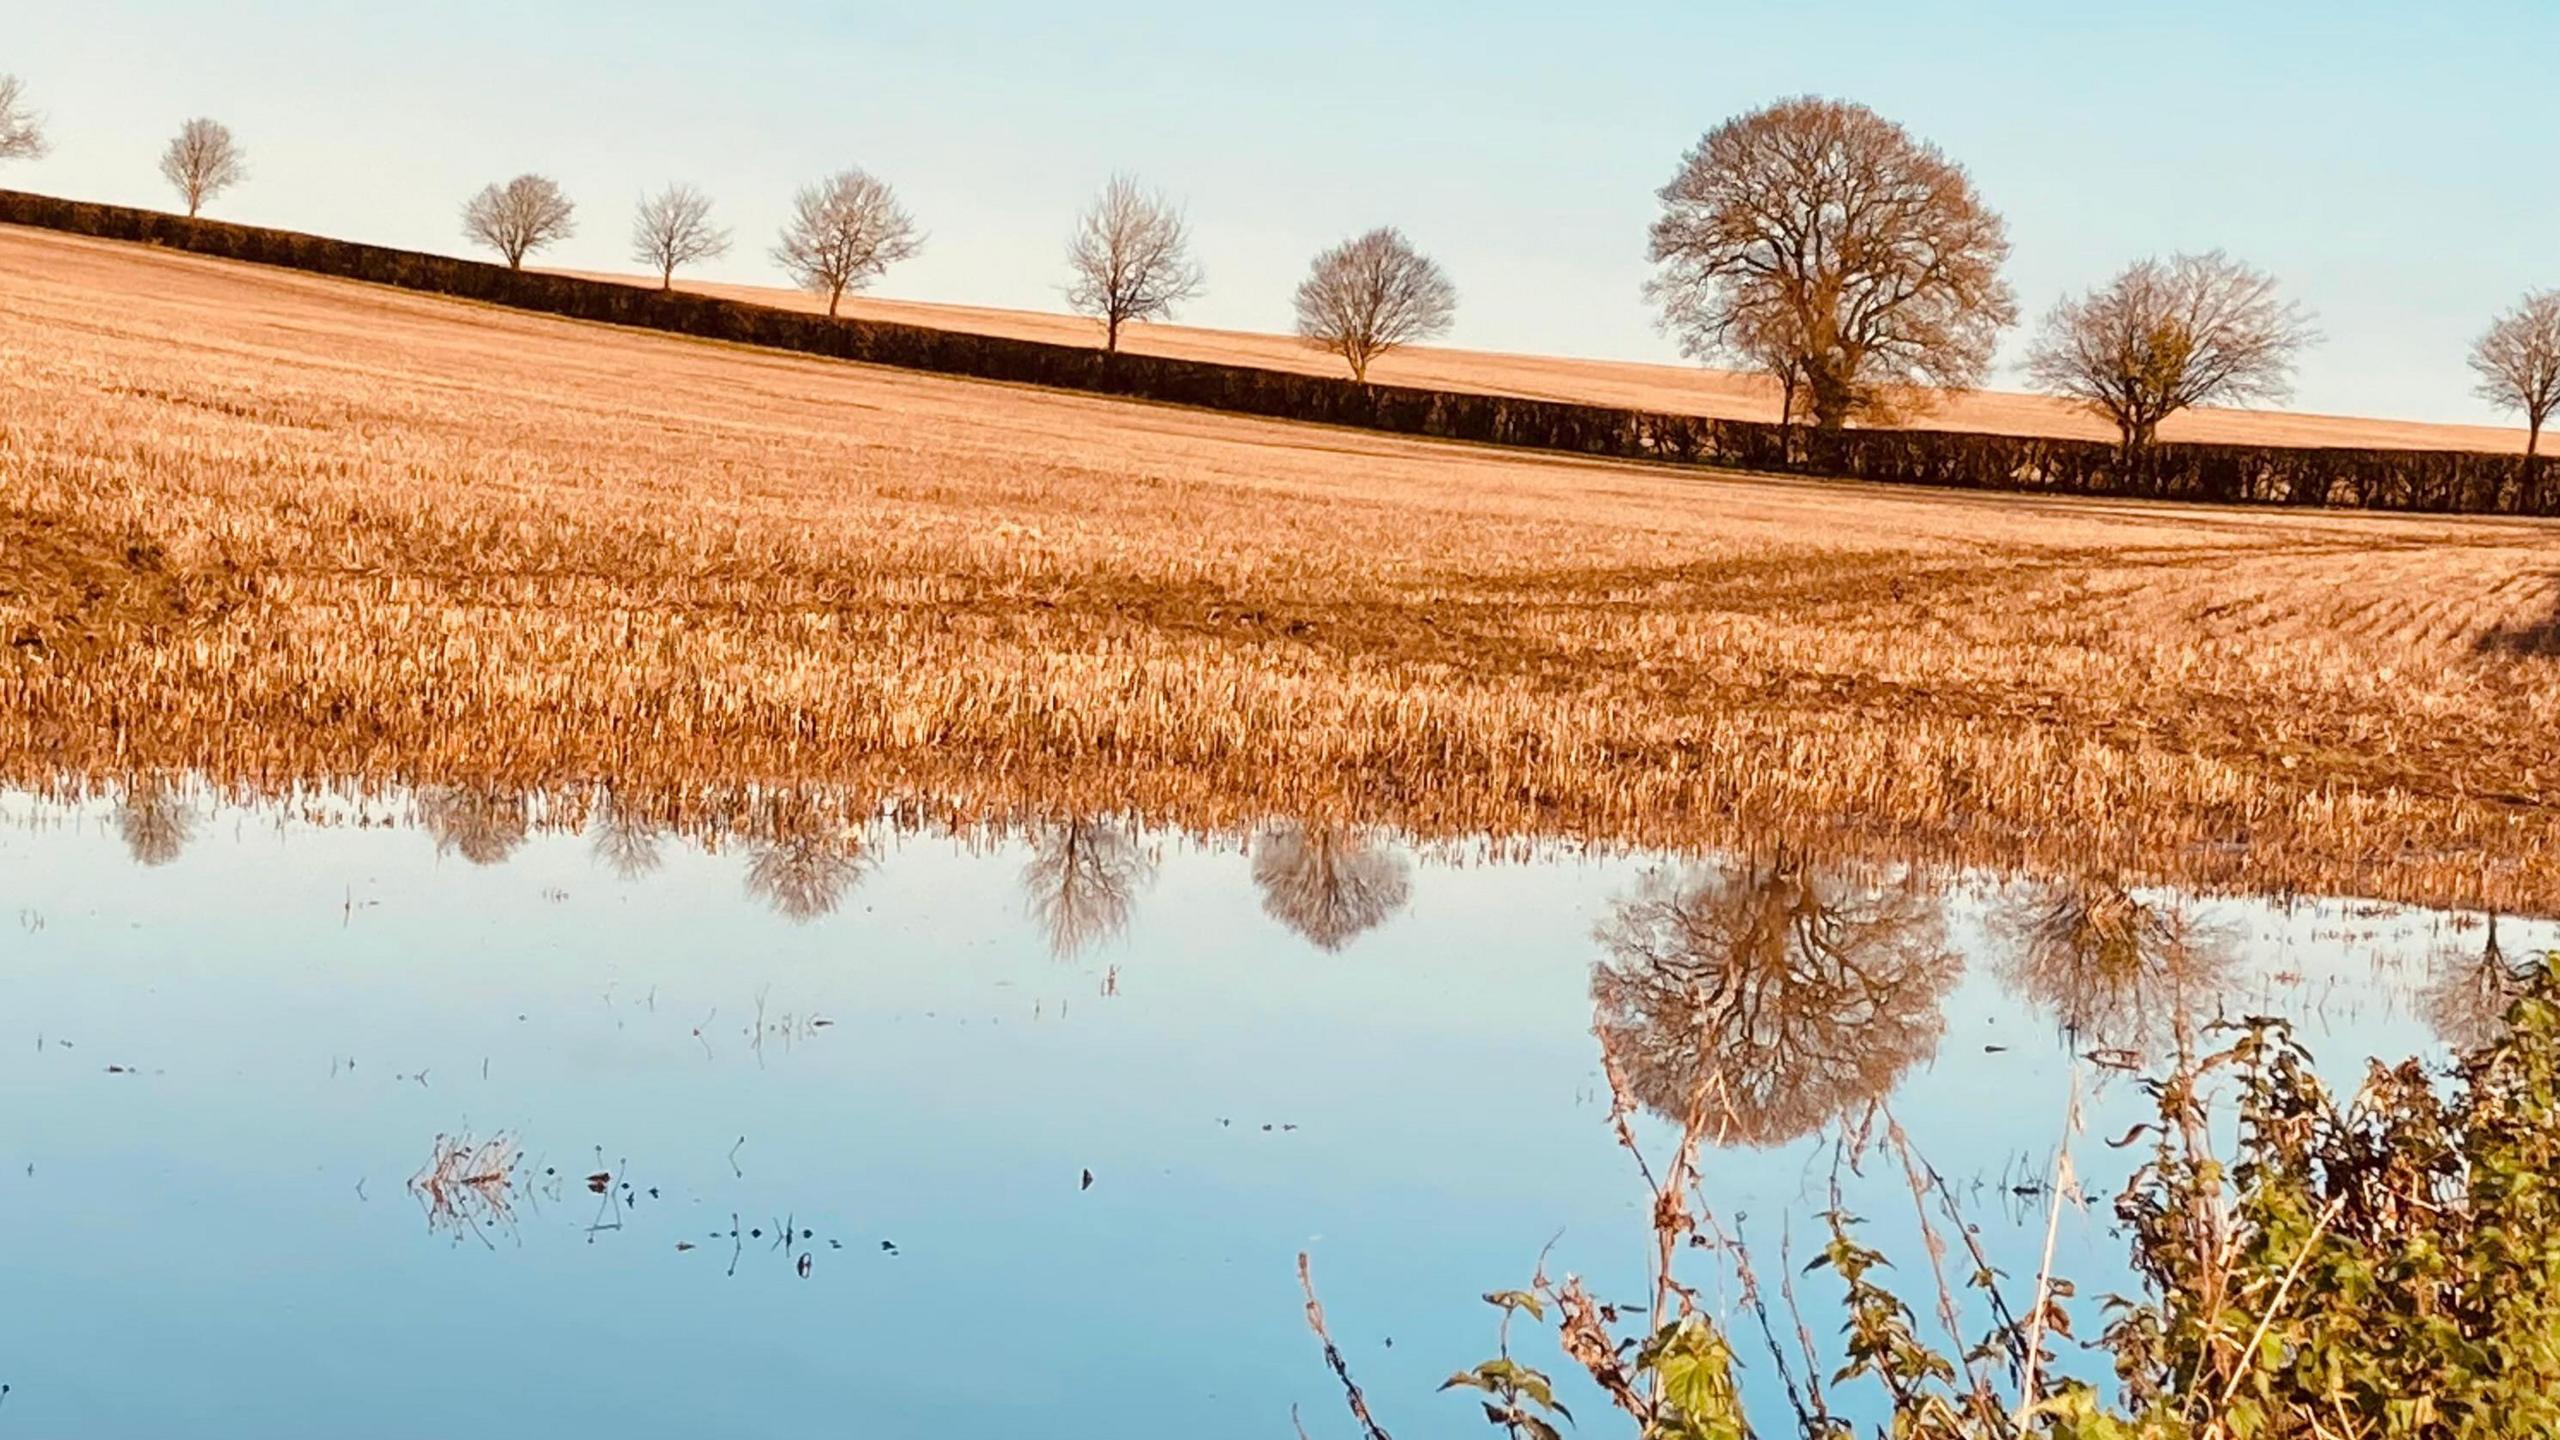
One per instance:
(1131,257)
(672,229)
(202,161)
(2518,363)
(844,232)
(526,214)
(1822,229)
(21,129)
(2168,334)
(1367,296)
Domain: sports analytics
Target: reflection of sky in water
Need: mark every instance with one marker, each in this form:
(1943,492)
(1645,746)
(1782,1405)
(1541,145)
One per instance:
(186,1250)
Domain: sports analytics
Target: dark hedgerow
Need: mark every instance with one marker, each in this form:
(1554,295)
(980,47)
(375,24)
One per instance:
(2432,480)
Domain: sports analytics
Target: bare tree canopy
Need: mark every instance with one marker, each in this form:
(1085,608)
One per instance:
(672,229)
(2466,1000)
(202,162)
(627,843)
(2112,969)
(1367,296)
(1825,230)
(844,232)
(526,214)
(156,821)
(21,129)
(1131,255)
(1082,881)
(805,871)
(2518,363)
(1330,886)
(1785,995)
(482,823)
(2168,334)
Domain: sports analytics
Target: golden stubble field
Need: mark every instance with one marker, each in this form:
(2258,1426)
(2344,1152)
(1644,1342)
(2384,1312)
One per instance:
(286,530)
(1671,389)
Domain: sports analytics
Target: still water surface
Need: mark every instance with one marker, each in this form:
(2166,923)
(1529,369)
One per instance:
(1046,1117)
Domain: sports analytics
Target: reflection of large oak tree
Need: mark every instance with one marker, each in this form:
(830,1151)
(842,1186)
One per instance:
(1790,995)
(155,821)
(2110,968)
(1081,880)
(1330,886)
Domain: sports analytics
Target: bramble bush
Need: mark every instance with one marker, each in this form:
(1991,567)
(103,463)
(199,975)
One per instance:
(2382,1268)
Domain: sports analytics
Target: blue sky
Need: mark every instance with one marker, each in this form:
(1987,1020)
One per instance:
(2392,164)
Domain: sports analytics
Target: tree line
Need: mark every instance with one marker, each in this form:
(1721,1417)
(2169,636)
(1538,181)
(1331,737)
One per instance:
(1812,240)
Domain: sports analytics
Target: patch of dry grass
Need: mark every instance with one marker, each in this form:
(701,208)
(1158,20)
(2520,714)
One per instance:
(392,538)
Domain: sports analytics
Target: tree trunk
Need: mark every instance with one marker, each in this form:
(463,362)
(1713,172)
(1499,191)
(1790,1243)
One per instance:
(1787,417)
(2530,502)
(1111,335)
(667,278)
(1832,401)
(835,297)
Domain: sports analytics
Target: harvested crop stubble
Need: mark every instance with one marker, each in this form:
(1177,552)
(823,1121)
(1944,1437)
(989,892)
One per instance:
(398,538)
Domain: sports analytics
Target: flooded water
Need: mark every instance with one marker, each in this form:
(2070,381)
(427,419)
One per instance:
(438,1127)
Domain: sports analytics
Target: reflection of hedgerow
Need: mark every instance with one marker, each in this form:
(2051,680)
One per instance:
(2385,1269)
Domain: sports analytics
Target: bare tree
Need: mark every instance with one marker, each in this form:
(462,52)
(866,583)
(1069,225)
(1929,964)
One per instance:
(1331,886)
(1771,342)
(804,873)
(2168,334)
(844,231)
(1083,879)
(482,823)
(2467,999)
(203,161)
(1131,255)
(1822,226)
(526,214)
(2111,968)
(673,228)
(2518,363)
(21,129)
(1367,296)
(624,841)
(155,820)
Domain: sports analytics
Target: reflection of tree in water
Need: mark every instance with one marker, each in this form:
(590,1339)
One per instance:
(2467,998)
(481,823)
(1081,880)
(624,843)
(155,821)
(2110,968)
(804,872)
(1330,886)
(1789,995)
